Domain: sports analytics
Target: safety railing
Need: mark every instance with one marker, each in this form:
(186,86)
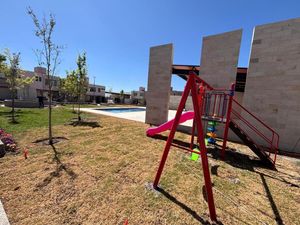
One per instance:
(219,105)
(215,105)
(256,130)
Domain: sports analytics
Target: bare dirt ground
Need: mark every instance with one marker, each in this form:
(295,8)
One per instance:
(100,175)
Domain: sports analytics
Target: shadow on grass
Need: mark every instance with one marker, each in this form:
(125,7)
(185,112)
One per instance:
(60,167)
(183,206)
(237,160)
(232,157)
(92,124)
(10,118)
(278,218)
(45,141)
(175,141)
(214,169)
(17,112)
(13,122)
(281,179)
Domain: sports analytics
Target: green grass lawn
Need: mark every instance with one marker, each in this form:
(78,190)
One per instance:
(33,118)
(28,118)
(70,106)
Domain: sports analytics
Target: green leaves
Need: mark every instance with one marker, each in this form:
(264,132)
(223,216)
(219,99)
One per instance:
(76,82)
(13,73)
(82,79)
(70,84)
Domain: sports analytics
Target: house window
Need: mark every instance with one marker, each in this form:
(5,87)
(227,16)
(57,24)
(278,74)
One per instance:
(99,89)
(40,79)
(36,78)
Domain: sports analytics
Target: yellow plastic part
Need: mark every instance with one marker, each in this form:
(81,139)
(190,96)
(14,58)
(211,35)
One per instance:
(212,135)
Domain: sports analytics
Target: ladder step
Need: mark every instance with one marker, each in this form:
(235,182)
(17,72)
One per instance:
(254,147)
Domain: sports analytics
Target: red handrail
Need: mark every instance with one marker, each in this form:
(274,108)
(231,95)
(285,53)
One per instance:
(274,160)
(254,116)
(259,120)
(251,126)
(215,94)
(199,80)
(270,141)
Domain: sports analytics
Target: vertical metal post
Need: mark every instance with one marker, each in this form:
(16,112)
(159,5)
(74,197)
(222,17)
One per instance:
(203,154)
(231,94)
(271,147)
(213,112)
(193,134)
(184,97)
(219,108)
(201,99)
(224,105)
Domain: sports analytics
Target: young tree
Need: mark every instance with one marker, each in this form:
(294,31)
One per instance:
(48,55)
(70,85)
(122,96)
(2,63)
(110,97)
(61,88)
(82,80)
(13,77)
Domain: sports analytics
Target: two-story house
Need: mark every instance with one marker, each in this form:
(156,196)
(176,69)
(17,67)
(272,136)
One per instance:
(95,93)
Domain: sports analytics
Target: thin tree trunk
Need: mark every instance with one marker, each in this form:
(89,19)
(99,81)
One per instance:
(13,107)
(50,109)
(50,121)
(78,99)
(78,112)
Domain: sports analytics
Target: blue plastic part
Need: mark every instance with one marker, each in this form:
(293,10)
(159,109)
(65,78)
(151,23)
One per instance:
(211,129)
(211,140)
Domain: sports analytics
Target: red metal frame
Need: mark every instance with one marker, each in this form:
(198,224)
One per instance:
(201,105)
(192,136)
(229,109)
(191,86)
(222,98)
(271,142)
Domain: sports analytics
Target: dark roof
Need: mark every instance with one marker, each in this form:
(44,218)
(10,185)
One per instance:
(185,69)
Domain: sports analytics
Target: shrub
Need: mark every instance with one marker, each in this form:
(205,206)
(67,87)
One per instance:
(8,141)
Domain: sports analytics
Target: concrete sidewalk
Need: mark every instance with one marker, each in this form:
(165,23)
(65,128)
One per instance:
(3,216)
(136,116)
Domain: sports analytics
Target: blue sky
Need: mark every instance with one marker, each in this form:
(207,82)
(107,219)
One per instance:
(117,34)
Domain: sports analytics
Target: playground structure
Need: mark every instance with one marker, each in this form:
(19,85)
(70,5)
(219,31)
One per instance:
(213,105)
(261,98)
(219,106)
(268,86)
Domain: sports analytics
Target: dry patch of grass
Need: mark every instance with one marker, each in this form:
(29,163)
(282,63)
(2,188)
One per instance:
(100,175)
